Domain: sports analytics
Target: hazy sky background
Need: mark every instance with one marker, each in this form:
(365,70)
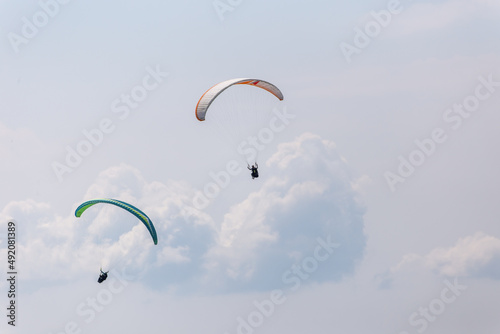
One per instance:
(377,206)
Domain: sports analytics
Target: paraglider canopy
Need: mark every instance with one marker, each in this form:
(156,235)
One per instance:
(211,94)
(240,117)
(130,208)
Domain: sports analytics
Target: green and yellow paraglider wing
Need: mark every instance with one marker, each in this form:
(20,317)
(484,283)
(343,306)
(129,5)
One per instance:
(130,208)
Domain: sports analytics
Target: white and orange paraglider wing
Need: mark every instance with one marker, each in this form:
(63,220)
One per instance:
(211,94)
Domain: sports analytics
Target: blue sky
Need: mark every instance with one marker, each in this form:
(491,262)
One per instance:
(376,206)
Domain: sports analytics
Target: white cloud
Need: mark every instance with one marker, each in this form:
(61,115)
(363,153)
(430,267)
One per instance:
(55,246)
(308,195)
(173,255)
(476,255)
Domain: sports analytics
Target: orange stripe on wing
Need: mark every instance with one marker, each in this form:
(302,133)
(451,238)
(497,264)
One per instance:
(196,109)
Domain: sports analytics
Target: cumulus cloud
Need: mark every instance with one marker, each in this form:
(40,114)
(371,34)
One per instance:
(308,204)
(475,256)
(309,195)
(56,246)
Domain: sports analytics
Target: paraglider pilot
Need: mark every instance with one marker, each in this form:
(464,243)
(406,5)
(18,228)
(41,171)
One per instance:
(255,172)
(102,276)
